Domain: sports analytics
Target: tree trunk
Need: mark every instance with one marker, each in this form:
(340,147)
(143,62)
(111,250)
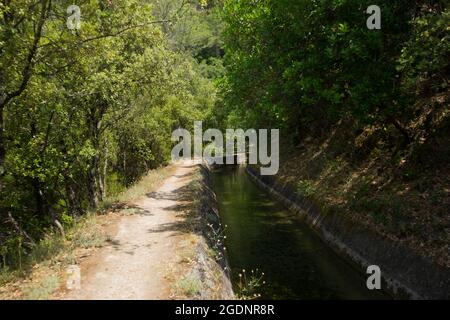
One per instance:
(2,151)
(73,200)
(2,143)
(98,179)
(39,198)
(93,172)
(101,187)
(92,189)
(105,170)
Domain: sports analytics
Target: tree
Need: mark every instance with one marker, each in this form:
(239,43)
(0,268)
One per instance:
(85,113)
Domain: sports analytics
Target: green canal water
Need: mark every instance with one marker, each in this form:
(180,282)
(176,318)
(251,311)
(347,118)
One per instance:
(262,234)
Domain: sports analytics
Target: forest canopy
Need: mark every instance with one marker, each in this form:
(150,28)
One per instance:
(305,65)
(84,113)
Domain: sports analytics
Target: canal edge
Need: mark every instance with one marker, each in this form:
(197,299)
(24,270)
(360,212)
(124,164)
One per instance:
(212,226)
(404,272)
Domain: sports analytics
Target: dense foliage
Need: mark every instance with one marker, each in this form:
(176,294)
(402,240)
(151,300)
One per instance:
(364,114)
(304,65)
(85,113)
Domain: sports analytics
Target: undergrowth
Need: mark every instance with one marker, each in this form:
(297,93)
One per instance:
(82,233)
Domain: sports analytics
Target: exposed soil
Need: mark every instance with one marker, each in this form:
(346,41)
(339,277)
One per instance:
(139,256)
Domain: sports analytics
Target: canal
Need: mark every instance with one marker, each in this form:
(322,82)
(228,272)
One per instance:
(262,234)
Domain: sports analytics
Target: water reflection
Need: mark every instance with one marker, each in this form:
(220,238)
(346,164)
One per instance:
(262,234)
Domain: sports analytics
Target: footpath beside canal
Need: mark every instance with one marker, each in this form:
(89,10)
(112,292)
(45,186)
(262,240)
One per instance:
(165,248)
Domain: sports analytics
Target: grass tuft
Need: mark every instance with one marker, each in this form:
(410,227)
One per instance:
(43,290)
(189,286)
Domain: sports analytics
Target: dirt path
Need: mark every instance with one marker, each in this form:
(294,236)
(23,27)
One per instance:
(137,260)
